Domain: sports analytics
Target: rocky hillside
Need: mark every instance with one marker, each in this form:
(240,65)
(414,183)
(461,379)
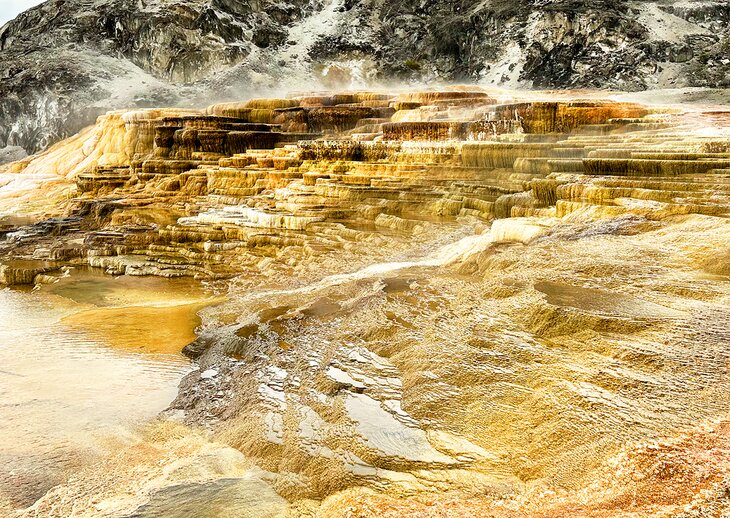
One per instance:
(65,62)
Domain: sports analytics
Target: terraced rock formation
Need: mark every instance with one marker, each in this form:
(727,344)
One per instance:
(439,301)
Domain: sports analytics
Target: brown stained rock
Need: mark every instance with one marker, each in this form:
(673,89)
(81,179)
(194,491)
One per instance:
(562,117)
(337,118)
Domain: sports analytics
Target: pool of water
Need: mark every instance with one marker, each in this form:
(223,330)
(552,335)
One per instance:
(86,359)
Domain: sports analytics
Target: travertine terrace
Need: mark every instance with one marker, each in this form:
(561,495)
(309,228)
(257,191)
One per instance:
(214,192)
(437,301)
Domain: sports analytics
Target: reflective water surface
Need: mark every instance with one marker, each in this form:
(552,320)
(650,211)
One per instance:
(80,362)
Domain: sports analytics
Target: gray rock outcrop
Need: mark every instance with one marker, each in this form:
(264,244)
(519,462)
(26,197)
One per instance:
(65,62)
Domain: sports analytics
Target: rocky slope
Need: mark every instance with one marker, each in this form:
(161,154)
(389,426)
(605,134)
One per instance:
(65,62)
(438,302)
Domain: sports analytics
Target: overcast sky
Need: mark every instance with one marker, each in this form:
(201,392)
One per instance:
(9,9)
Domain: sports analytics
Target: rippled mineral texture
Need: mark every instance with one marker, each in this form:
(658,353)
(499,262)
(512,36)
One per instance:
(440,303)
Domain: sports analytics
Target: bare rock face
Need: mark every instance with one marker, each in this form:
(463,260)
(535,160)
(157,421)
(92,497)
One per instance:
(11,154)
(66,62)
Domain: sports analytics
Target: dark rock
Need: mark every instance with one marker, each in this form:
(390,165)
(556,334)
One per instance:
(197,347)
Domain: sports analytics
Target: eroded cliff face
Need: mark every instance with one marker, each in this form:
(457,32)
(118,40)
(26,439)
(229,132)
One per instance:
(451,301)
(64,63)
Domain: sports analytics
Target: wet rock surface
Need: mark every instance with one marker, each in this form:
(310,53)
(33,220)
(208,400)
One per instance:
(439,300)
